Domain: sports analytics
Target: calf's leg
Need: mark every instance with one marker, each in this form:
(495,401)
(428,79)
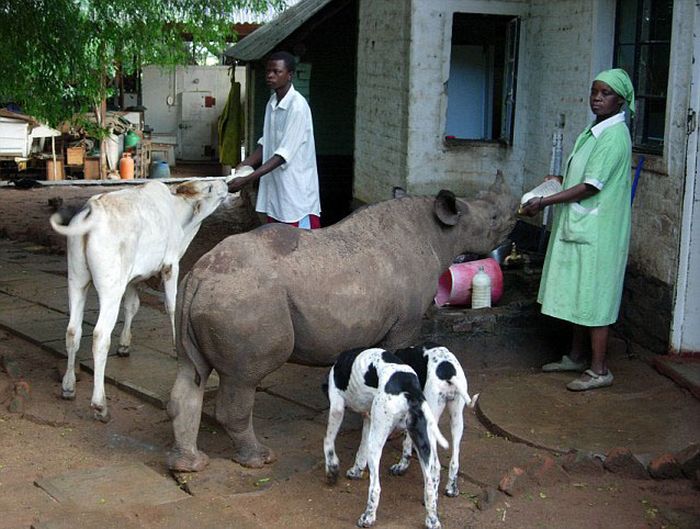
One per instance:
(131,306)
(169,276)
(185,410)
(101,339)
(77,294)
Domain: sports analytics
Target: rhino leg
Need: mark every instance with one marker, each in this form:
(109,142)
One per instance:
(185,409)
(234,411)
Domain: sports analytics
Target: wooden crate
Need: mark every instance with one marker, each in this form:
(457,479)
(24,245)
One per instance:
(75,155)
(60,175)
(92,168)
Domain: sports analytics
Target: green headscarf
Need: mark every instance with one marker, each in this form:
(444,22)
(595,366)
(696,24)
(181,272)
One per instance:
(618,80)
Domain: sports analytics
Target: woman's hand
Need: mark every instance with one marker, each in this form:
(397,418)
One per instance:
(554,177)
(532,207)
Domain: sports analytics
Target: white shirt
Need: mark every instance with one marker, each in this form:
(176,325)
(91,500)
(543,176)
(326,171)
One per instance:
(289,192)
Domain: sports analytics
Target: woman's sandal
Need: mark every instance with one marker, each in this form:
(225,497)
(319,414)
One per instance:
(591,380)
(565,364)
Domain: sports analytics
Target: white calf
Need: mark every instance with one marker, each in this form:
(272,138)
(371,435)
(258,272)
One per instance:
(379,385)
(117,240)
(444,384)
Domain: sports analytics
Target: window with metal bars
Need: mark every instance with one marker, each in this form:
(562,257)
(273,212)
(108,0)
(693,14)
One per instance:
(642,48)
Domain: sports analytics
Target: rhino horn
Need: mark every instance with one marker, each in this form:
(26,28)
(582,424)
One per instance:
(446,209)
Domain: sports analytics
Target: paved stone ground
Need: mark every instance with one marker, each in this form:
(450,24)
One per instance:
(501,351)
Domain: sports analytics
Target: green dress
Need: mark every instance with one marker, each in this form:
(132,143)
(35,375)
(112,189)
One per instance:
(587,253)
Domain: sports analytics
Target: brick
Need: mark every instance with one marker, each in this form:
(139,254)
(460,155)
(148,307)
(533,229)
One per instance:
(545,471)
(17,404)
(11,367)
(689,460)
(622,461)
(6,388)
(582,463)
(665,467)
(487,498)
(513,481)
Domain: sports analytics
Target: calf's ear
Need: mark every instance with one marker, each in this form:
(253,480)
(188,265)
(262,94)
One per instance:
(446,209)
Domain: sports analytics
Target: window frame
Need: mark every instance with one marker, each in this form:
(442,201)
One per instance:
(506,100)
(643,145)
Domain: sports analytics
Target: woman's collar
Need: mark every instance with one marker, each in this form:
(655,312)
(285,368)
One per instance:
(598,128)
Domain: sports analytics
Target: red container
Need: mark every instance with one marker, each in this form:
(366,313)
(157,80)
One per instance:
(455,285)
(126,166)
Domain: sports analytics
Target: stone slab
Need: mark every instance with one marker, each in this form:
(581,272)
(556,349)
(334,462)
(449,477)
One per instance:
(88,520)
(640,411)
(35,323)
(121,485)
(147,373)
(685,371)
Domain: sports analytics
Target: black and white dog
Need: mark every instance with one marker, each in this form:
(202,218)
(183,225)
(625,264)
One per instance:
(444,384)
(379,385)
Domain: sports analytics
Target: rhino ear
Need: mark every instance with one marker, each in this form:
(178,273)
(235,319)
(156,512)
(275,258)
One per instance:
(398,192)
(446,209)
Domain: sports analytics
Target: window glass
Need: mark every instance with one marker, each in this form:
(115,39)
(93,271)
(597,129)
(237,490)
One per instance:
(481,85)
(642,48)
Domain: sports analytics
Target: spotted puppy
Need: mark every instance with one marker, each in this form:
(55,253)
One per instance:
(444,384)
(386,391)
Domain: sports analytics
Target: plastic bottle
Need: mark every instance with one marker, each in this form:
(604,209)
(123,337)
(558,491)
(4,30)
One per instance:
(481,289)
(126,166)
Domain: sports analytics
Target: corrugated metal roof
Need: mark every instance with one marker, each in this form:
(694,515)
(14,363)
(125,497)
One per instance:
(264,39)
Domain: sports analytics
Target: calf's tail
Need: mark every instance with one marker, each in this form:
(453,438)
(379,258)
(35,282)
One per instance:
(67,222)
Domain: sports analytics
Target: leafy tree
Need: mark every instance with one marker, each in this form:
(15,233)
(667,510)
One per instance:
(57,57)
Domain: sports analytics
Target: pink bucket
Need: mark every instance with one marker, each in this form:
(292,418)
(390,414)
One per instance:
(455,285)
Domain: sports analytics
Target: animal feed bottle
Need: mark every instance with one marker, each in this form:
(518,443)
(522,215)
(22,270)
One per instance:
(126,166)
(481,289)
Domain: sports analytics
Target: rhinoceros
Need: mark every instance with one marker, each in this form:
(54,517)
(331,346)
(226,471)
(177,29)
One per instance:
(279,293)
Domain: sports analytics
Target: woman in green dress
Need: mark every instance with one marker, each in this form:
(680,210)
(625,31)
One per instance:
(587,253)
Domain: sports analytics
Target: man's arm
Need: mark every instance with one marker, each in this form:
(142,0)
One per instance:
(254,160)
(273,163)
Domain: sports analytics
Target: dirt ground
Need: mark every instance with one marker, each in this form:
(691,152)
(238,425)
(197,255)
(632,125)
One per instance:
(51,436)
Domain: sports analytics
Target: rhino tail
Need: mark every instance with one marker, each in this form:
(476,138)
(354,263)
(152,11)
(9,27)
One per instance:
(186,342)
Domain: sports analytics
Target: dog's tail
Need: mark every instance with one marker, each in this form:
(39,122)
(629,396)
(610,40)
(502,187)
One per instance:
(422,426)
(68,222)
(461,384)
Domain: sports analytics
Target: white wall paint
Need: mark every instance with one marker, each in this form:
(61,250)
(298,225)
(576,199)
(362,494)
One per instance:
(160,83)
(685,331)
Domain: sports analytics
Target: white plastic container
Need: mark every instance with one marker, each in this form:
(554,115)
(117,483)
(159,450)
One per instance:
(545,189)
(481,290)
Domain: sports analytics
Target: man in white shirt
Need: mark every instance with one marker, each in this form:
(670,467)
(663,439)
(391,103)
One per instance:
(288,190)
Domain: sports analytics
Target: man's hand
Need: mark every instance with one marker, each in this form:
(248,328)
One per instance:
(237,184)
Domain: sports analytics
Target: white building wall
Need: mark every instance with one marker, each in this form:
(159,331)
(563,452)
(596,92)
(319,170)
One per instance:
(382,98)
(401,108)
(433,165)
(161,87)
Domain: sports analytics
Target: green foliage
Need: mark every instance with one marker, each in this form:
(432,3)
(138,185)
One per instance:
(57,55)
